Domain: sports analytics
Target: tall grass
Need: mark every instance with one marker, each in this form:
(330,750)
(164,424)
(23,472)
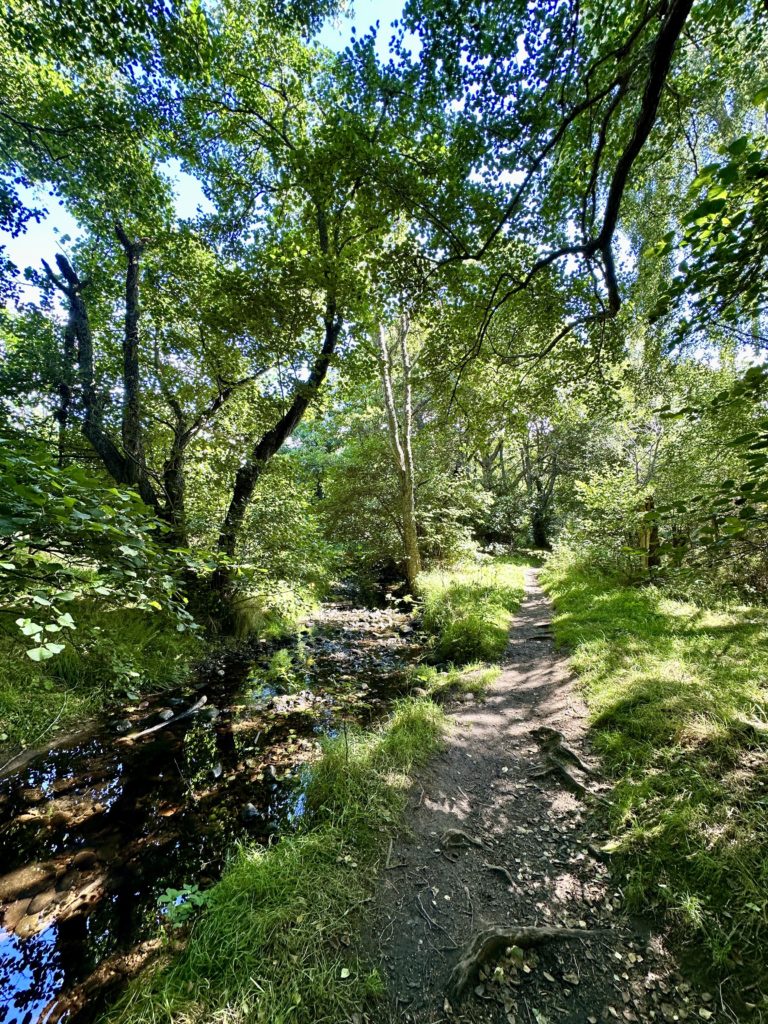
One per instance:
(679,699)
(468,608)
(276,941)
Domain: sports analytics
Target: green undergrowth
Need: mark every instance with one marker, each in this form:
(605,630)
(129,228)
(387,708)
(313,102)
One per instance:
(679,701)
(112,655)
(445,684)
(276,942)
(275,613)
(468,608)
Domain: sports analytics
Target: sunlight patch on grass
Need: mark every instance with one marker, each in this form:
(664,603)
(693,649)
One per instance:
(449,683)
(679,701)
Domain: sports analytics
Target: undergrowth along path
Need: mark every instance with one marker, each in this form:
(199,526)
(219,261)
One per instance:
(502,839)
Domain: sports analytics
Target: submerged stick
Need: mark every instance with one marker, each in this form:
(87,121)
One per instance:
(145,732)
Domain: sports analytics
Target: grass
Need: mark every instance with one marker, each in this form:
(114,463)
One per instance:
(114,653)
(467,609)
(449,683)
(679,701)
(276,940)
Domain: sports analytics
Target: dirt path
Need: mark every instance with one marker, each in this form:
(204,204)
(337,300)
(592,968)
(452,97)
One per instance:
(533,867)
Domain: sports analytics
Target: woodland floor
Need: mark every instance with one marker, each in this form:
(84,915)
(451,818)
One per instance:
(525,859)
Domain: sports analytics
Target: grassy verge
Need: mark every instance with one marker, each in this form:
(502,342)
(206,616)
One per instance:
(115,653)
(679,699)
(467,609)
(449,683)
(275,942)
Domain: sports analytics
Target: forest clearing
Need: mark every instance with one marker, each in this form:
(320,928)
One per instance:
(383,512)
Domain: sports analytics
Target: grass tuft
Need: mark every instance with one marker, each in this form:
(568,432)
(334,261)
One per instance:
(449,683)
(275,943)
(679,699)
(467,609)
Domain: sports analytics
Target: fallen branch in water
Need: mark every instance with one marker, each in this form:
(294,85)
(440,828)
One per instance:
(184,714)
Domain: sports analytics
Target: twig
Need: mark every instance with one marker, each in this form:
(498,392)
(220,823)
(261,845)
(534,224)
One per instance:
(431,921)
(171,721)
(471,908)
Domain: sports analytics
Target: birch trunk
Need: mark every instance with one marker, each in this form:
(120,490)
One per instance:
(401,441)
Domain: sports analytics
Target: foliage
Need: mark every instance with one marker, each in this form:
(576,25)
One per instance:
(179,905)
(724,243)
(273,942)
(117,654)
(65,538)
(679,701)
(467,610)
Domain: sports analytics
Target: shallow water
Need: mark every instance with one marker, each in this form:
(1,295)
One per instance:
(94,831)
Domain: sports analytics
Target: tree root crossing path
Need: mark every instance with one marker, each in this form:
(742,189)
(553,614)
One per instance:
(496,903)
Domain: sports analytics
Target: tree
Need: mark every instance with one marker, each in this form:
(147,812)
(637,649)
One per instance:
(400,425)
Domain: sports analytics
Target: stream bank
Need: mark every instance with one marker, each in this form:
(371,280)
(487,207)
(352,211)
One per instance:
(95,832)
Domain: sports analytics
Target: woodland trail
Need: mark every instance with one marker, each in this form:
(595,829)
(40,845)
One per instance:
(526,853)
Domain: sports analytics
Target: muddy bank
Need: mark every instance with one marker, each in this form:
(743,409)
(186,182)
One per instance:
(93,832)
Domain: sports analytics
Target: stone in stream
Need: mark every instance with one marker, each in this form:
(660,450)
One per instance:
(164,714)
(249,812)
(26,881)
(84,859)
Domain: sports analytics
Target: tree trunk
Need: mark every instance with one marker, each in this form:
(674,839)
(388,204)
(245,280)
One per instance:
(653,557)
(79,327)
(131,419)
(402,446)
(272,441)
(174,485)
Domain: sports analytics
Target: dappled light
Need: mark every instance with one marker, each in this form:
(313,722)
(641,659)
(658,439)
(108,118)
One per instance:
(383,512)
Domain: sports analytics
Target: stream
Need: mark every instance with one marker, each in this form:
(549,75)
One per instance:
(94,831)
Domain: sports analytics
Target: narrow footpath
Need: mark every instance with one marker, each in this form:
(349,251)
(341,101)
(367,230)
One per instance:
(502,833)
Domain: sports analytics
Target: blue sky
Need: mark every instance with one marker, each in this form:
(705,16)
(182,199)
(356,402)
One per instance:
(44,239)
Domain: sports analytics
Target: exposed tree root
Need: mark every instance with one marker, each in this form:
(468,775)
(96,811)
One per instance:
(501,870)
(552,742)
(489,943)
(458,837)
(554,769)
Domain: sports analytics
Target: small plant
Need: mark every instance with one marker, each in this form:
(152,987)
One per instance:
(178,905)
